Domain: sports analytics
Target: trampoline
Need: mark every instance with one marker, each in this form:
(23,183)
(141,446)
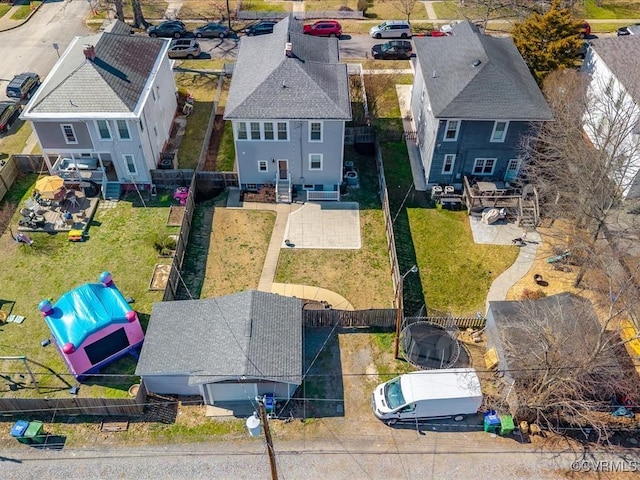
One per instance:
(430,346)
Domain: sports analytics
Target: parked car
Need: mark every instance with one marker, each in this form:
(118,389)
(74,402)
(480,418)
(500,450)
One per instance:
(23,85)
(184,48)
(213,30)
(391,29)
(584,30)
(9,113)
(324,28)
(261,28)
(629,30)
(392,50)
(171,28)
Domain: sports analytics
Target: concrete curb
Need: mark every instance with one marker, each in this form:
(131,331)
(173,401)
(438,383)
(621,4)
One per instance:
(20,22)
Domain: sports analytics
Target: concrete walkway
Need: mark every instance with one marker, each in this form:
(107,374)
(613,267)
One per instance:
(431,13)
(312,293)
(417,169)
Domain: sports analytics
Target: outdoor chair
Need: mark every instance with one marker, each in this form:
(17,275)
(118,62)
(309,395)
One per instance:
(31,204)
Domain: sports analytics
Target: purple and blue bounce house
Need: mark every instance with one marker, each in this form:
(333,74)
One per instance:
(92,326)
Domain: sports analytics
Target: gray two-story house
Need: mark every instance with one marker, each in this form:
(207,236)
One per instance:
(473,100)
(105,111)
(288,103)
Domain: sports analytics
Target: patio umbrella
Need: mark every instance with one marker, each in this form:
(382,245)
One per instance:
(50,186)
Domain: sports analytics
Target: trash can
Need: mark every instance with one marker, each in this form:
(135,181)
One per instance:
(491,421)
(35,433)
(18,429)
(506,424)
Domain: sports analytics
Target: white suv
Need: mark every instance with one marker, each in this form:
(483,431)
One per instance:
(392,29)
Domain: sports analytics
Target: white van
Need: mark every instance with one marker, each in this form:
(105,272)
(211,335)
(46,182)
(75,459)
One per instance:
(391,29)
(428,394)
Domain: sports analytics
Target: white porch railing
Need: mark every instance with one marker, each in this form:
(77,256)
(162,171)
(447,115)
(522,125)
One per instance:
(318,195)
(77,170)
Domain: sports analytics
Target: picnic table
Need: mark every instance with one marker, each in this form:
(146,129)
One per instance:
(491,188)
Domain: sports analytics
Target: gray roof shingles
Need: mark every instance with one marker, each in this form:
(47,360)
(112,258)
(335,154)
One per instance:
(500,87)
(309,85)
(618,54)
(253,334)
(113,82)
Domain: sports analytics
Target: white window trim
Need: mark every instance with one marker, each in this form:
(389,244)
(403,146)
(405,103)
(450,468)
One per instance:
(484,159)
(321,161)
(237,131)
(444,164)
(446,129)
(108,130)
(252,131)
(273,132)
(504,133)
(276,122)
(321,123)
(266,166)
(308,186)
(128,131)
(126,165)
(513,161)
(64,134)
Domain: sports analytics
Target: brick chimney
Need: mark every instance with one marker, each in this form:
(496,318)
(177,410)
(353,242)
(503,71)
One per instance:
(89,52)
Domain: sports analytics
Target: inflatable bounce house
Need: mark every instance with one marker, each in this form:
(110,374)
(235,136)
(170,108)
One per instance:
(92,326)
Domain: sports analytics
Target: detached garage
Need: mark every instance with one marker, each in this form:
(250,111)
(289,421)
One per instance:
(225,349)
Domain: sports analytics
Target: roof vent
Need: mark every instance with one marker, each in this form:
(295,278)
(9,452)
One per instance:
(288,49)
(476,63)
(89,52)
(435,75)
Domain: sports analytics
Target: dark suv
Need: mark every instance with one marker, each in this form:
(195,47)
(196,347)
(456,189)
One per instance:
(392,50)
(23,85)
(261,28)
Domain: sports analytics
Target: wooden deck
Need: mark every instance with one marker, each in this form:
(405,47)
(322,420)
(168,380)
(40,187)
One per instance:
(82,212)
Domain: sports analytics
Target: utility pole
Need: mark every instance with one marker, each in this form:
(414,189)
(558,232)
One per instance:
(267,436)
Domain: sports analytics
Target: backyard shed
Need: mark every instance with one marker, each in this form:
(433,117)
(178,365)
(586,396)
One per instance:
(225,349)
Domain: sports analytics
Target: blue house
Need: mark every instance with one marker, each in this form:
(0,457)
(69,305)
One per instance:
(472,101)
(288,103)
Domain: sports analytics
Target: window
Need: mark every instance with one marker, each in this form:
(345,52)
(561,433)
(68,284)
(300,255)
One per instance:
(268,131)
(315,132)
(449,161)
(252,186)
(308,186)
(282,131)
(451,130)
(255,131)
(103,130)
(69,134)
(263,166)
(499,131)
(123,130)
(242,131)
(130,164)
(315,161)
(484,166)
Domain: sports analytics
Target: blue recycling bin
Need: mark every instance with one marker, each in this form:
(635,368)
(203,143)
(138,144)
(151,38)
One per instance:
(491,421)
(18,430)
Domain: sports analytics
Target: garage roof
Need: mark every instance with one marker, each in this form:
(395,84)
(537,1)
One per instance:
(251,334)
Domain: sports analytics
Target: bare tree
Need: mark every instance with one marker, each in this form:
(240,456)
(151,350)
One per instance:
(584,162)
(119,10)
(138,17)
(406,7)
(562,365)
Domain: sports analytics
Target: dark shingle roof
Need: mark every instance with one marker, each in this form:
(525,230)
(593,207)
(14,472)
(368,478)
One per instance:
(499,87)
(253,334)
(268,84)
(618,54)
(113,82)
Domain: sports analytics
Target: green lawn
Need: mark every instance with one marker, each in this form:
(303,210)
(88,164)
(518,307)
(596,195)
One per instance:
(121,240)
(264,6)
(23,11)
(4,8)
(227,151)
(203,87)
(608,9)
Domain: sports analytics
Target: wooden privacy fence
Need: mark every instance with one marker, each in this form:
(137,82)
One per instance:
(216,180)
(128,407)
(384,318)
(169,179)
(10,167)
(29,163)
(447,322)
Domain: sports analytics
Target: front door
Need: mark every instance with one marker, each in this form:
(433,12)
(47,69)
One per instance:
(283,169)
(513,167)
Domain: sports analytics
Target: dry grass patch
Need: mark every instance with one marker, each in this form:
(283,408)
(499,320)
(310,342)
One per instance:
(361,276)
(237,250)
(207,11)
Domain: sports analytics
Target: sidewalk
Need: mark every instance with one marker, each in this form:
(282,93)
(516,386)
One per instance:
(7,23)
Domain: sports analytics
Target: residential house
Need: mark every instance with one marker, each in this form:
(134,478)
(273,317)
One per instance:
(105,111)
(230,348)
(612,119)
(288,103)
(473,100)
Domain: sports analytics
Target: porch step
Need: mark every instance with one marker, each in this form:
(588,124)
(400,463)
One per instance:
(283,192)
(112,192)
